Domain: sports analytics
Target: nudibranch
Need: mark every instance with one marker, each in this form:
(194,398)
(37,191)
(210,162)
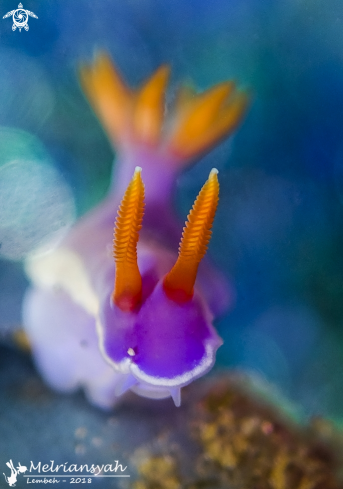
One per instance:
(130,313)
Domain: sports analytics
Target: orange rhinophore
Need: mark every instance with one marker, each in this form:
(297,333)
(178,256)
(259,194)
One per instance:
(179,282)
(127,292)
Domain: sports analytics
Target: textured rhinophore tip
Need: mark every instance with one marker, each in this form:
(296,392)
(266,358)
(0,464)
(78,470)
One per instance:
(128,282)
(179,282)
(194,125)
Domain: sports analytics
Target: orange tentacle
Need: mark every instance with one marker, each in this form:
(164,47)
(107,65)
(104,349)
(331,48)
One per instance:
(127,292)
(179,282)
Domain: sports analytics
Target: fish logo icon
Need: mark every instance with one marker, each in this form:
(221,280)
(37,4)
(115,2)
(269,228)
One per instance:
(12,479)
(20,18)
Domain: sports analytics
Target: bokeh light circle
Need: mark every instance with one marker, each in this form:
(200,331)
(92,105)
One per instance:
(36,203)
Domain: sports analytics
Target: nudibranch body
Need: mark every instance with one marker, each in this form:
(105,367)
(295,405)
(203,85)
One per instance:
(130,313)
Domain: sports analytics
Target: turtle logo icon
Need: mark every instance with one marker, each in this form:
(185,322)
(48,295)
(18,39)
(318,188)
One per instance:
(20,18)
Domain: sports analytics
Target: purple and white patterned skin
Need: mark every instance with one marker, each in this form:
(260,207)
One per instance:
(87,327)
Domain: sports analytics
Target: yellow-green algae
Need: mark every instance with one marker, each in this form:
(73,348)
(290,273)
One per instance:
(243,442)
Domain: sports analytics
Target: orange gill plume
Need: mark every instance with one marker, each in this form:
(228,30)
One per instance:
(205,119)
(191,127)
(108,94)
(127,292)
(148,112)
(179,282)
